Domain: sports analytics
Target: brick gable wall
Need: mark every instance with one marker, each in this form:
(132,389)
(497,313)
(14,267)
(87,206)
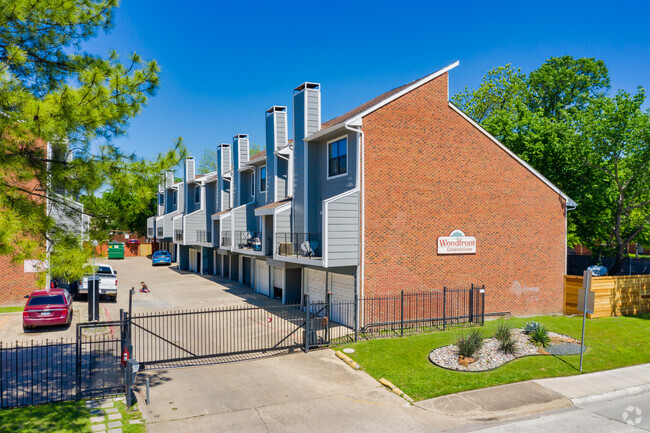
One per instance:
(428,171)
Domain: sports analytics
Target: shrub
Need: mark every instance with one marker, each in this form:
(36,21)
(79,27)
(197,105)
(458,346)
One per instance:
(540,337)
(503,331)
(469,344)
(531,327)
(507,346)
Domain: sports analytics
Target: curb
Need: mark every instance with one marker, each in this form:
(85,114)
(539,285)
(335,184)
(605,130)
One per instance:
(395,389)
(343,357)
(609,395)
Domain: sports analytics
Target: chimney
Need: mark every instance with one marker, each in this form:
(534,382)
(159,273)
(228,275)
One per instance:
(189,169)
(306,121)
(276,138)
(169,178)
(241,154)
(223,159)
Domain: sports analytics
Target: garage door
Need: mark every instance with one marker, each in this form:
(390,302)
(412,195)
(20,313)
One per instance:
(342,299)
(262,277)
(316,285)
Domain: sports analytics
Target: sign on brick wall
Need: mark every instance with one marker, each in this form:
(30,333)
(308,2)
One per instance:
(457,243)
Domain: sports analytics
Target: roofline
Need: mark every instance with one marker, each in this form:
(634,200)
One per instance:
(569,200)
(354,120)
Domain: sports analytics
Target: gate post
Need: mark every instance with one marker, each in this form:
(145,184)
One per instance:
(328,309)
(402,315)
(78,363)
(307,322)
(471,304)
(444,308)
(356,316)
(483,305)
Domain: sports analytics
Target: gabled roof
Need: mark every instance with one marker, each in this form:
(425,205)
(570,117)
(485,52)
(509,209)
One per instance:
(385,98)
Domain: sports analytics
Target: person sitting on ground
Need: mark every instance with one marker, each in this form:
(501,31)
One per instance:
(144,288)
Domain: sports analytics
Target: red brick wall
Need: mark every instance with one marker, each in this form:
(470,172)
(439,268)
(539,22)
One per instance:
(14,282)
(428,171)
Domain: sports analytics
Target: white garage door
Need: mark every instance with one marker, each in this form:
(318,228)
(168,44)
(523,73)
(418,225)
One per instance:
(262,277)
(316,285)
(342,299)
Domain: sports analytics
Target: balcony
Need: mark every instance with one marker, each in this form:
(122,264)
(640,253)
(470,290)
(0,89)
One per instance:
(247,240)
(226,240)
(204,236)
(178,235)
(299,245)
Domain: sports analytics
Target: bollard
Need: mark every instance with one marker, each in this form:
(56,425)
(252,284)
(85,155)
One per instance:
(148,399)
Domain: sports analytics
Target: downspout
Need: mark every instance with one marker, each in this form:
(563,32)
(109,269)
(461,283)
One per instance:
(360,178)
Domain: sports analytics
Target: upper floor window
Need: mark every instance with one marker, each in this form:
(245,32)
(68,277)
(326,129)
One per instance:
(175,194)
(263,179)
(338,157)
(161,199)
(197,194)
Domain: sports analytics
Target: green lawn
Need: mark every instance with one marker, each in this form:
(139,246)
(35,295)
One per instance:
(611,342)
(66,417)
(55,417)
(10,309)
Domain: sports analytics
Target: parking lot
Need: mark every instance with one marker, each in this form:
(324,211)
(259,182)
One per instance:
(170,290)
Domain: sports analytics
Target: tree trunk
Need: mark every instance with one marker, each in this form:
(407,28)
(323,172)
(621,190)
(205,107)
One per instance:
(618,263)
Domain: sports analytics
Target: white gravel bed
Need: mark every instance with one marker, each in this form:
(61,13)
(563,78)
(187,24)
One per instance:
(489,356)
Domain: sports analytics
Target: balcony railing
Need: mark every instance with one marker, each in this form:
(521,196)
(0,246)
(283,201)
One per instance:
(161,232)
(204,236)
(247,240)
(226,240)
(301,245)
(178,235)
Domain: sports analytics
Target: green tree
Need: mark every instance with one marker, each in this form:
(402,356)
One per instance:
(208,161)
(52,91)
(543,117)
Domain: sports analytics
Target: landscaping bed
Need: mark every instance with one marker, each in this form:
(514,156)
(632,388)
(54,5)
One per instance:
(490,357)
(612,342)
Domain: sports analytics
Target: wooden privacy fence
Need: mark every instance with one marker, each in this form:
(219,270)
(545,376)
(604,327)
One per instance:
(615,296)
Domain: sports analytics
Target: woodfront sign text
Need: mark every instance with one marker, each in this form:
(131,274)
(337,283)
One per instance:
(457,243)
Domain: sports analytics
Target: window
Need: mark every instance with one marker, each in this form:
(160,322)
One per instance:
(161,199)
(263,179)
(197,194)
(338,157)
(47,300)
(174,195)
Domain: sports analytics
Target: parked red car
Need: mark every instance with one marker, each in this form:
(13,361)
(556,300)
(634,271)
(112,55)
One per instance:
(45,309)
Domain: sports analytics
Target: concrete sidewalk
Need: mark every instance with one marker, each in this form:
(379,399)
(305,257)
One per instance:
(535,396)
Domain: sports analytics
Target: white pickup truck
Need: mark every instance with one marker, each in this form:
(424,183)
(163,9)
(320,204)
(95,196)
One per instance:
(107,281)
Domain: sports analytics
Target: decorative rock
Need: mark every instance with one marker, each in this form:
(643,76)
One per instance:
(114,416)
(465,361)
(114,424)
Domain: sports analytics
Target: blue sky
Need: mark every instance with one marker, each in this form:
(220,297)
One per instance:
(224,63)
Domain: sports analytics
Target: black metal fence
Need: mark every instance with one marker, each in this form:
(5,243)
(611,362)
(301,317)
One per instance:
(53,371)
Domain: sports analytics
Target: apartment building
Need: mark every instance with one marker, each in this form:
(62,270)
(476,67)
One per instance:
(404,192)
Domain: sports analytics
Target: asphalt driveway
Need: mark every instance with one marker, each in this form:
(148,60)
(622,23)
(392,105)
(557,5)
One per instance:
(170,290)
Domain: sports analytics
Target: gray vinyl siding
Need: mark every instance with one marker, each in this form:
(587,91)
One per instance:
(190,171)
(180,200)
(177,224)
(67,217)
(320,187)
(244,153)
(225,225)
(283,222)
(282,173)
(240,216)
(299,162)
(270,156)
(194,222)
(313,109)
(245,179)
(151,226)
(343,231)
(191,204)
(224,159)
(281,129)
